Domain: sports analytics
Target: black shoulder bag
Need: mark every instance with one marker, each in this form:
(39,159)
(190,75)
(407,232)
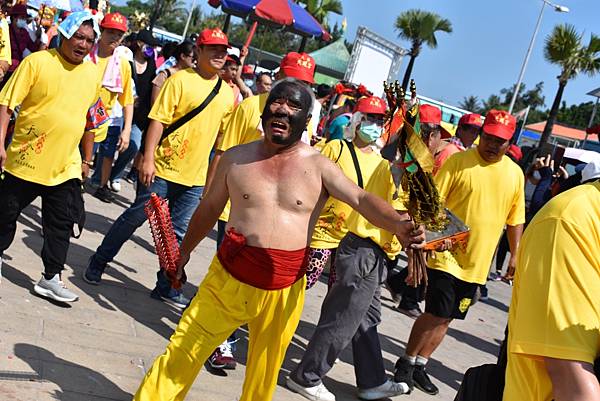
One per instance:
(179,123)
(355,160)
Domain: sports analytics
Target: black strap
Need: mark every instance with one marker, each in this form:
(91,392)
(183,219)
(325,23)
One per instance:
(179,123)
(355,160)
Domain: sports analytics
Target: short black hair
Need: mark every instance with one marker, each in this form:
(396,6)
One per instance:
(186,47)
(262,74)
(323,90)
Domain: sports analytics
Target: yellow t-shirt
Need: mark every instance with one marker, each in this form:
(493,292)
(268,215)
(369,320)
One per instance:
(182,157)
(242,128)
(55,97)
(381,184)
(5,53)
(486,197)
(331,225)
(109,98)
(555,308)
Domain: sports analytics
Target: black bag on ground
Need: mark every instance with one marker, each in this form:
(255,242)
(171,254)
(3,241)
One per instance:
(485,382)
(482,383)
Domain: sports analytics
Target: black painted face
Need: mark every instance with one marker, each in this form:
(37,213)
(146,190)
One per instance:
(287,113)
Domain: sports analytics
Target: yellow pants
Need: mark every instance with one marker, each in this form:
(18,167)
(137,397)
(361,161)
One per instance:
(221,305)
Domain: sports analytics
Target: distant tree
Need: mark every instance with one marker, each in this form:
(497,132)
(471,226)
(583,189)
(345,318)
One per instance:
(492,102)
(419,27)
(533,98)
(564,47)
(470,103)
(577,115)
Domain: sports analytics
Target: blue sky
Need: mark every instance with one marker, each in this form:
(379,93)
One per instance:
(485,52)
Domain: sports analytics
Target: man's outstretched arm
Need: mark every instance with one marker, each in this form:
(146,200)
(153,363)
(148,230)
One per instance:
(377,211)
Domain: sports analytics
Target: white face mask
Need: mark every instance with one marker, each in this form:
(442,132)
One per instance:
(21,23)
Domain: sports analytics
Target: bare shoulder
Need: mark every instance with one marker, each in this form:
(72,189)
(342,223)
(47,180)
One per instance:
(241,153)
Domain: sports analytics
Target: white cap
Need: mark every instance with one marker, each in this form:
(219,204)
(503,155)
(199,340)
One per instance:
(591,171)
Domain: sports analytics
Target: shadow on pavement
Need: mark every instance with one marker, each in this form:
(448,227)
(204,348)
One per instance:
(128,296)
(73,379)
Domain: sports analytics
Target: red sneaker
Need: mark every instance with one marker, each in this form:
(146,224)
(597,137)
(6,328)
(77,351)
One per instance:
(222,358)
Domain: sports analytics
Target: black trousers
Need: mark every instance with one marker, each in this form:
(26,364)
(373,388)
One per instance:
(62,207)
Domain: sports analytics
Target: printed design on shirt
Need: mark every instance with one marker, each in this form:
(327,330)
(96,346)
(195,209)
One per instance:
(392,246)
(333,220)
(33,144)
(464,305)
(176,149)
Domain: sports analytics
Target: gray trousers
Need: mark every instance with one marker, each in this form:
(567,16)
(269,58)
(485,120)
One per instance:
(351,311)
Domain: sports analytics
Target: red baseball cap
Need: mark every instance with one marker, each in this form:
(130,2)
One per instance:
(499,123)
(212,37)
(471,119)
(429,114)
(114,21)
(298,65)
(515,152)
(370,105)
(247,70)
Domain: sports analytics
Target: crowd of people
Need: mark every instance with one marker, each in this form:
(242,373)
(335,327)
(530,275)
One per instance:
(296,185)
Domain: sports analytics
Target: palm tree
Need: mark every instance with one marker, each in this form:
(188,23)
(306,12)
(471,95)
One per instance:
(419,27)
(564,47)
(470,103)
(321,8)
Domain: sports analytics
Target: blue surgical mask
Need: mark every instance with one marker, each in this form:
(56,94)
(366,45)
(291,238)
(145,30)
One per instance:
(369,132)
(21,23)
(148,51)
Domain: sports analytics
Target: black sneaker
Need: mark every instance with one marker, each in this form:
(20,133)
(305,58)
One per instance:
(422,381)
(104,194)
(404,373)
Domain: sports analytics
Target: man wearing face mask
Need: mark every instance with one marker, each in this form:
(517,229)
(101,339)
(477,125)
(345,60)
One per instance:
(174,166)
(277,187)
(144,72)
(20,41)
(351,311)
(357,159)
(485,189)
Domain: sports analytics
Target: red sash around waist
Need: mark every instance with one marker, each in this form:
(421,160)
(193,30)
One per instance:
(264,268)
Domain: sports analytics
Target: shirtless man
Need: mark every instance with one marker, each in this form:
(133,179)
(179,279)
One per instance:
(277,188)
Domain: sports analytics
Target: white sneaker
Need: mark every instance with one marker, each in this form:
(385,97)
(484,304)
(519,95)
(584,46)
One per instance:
(387,389)
(54,289)
(316,393)
(115,186)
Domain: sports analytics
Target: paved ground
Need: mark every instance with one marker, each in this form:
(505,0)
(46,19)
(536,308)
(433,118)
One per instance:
(99,347)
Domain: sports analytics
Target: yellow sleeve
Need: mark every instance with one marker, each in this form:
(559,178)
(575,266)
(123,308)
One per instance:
(18,86)
(516,215)
(554,313)
(165,105)
(5,52)
(333,150)
(397,201)
(234,128)
(126,98)
(444,179)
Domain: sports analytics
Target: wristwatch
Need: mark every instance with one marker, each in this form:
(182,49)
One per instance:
(88,162)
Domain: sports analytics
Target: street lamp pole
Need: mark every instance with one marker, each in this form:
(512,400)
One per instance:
(557,8)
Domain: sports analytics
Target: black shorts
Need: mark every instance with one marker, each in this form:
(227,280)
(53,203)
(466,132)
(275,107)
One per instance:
(448,296)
